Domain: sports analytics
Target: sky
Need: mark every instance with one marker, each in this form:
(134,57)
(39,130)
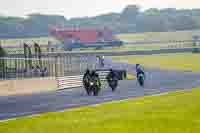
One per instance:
(82,8)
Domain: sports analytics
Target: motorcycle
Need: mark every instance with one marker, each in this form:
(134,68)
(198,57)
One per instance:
(141,79)
(95,87)
(113,83)
(88,90)
(86,84)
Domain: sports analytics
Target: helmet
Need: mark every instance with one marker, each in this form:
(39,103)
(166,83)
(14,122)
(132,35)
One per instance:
(87,70)
(93,72)
(137,65)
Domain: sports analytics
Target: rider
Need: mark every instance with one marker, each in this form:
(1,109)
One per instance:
(101,61)
(86,78)
(111,75)
(139,70)
(95,76)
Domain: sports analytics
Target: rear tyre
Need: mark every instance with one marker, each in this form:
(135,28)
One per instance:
(141,83)
(88,91)
(141,80)
(113,89)
(114,86)
(96,91)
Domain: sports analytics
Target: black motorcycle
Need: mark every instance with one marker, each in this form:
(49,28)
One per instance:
(141,79)
(113,83)
(88,90)
(86,84)
(95,86)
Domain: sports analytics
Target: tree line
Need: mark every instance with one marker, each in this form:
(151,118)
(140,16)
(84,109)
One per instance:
(130,20)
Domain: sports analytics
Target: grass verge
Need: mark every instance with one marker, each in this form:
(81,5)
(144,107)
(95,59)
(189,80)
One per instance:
(182,62)
(176,112)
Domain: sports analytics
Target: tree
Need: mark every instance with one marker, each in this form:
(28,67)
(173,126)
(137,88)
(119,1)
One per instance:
(152,11)
(130,13)
(150,23)
(130,20)
(184,22)
(2,62)
(2,52)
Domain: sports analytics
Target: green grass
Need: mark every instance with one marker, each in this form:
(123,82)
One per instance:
(20,41)
(143,47)
(176,112)
(159,36)
(183,62)
(162,36)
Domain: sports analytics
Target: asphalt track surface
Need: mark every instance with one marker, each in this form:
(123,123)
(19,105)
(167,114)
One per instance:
(157,82)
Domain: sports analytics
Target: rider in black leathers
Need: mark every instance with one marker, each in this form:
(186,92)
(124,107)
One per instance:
(112,77)
(140,74)
(86,79)
(95,76)
(96,86)
(139,70)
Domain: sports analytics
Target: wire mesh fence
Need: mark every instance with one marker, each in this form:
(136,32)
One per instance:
(20,68)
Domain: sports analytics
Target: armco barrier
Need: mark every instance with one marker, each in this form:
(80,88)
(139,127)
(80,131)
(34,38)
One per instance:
(70,82)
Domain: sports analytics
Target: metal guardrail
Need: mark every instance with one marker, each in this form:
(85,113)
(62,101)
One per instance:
(70,82)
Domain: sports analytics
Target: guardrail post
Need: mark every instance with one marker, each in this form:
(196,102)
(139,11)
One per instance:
(56,61)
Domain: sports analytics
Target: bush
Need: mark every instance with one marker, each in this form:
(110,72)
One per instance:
(2,62)
(2,52)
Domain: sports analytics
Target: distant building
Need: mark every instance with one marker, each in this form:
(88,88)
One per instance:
(85,37)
